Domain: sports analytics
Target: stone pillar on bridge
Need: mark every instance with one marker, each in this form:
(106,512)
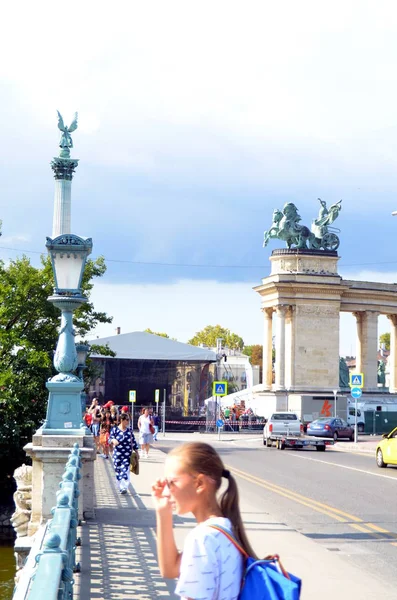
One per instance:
(49,454)
(367,348)
(392,361)
(267,364)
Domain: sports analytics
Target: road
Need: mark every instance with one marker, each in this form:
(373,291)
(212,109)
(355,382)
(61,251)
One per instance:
(340,500)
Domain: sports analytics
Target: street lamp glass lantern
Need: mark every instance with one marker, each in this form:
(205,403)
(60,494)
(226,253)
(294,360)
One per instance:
(82,352)
(68,257)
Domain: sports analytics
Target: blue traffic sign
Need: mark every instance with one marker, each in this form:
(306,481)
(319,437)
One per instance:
(356,392)
(356,380)
(219,423)
(219,388)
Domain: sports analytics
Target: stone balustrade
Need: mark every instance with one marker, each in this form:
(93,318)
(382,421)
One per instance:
(49,569)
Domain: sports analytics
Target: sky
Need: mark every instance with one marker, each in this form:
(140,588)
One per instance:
(196,120)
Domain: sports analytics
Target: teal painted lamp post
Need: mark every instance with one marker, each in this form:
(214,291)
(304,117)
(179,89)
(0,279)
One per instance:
(64,411)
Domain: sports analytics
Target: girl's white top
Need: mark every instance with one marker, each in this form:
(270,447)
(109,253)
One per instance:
(211,566)
(143,424)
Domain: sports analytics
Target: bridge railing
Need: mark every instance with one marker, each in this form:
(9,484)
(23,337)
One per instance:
(54,565)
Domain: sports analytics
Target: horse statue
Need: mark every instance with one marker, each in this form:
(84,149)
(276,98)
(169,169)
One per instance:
(286,226)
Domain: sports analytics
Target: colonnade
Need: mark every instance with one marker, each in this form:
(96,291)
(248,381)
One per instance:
(366,348)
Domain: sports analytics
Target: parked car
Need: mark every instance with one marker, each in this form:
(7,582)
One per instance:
(331,427)
(386,450)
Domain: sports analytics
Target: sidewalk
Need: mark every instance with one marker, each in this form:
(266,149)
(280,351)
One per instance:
(118,552)
(366,445)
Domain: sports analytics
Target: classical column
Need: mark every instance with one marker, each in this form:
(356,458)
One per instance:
(290,347)
(392,361)
(280,347)
(367,347)
(63,169)
(267,348)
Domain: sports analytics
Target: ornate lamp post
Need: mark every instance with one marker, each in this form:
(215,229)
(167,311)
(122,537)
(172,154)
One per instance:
(68,256)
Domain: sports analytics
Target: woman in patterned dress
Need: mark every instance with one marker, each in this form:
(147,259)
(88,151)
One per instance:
(123,442)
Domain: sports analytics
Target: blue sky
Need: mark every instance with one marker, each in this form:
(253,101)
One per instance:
(195,121)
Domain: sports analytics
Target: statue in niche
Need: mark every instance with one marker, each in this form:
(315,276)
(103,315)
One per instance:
(381,373)
(343,373)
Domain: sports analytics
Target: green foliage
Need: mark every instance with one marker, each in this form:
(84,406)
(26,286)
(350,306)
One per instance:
(209,335)
(28,336)
(384,338)
(255,352)
(164,335)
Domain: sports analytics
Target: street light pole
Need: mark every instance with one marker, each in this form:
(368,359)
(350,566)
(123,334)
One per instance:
(335,393)
(68,256)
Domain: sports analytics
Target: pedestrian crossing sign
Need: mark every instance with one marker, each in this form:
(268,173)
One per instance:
(356,380)
(219,388)
(132,395)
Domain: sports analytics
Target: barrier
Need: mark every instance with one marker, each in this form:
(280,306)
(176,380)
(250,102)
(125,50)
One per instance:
(52,575)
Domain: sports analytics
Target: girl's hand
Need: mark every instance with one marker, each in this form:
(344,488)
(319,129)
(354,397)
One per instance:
(162,503)
(114,442)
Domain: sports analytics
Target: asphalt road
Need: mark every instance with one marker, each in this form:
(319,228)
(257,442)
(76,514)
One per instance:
(340,500)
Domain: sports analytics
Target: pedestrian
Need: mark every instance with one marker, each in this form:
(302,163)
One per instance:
(123,442)
(106,425)
(87,418)
(146,429)
(95,411)
(156,424)
(210,566)
(115,414)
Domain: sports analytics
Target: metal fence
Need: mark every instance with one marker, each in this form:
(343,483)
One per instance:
(204,420)
(52,575)
(377,423)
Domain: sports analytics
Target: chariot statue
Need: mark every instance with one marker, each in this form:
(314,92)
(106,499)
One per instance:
(321,236)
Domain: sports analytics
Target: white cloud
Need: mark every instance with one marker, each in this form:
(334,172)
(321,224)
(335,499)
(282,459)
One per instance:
(7,240)
(157,83)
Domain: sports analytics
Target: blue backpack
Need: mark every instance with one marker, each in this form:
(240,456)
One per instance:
(264,579)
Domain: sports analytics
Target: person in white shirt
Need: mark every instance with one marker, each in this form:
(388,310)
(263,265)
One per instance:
(210,566)
(146,430)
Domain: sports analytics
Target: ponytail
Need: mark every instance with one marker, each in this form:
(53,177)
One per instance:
(229,505)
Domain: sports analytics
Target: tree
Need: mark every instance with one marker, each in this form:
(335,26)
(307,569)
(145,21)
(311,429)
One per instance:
(255,353)
(165,335)
(211,333)
(384,338)
(29,326)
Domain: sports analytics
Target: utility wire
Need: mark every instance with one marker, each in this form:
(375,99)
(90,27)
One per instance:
(198,265)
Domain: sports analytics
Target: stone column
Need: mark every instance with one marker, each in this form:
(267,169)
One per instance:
(267,348)
(63,172)
(290,347)
(280,347)
(367,348)
(392,362)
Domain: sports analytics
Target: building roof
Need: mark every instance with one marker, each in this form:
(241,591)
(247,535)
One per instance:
(140,345)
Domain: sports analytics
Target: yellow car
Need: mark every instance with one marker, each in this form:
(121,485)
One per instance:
(386,450)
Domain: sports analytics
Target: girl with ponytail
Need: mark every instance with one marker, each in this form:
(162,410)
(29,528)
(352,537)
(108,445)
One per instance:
(210,566)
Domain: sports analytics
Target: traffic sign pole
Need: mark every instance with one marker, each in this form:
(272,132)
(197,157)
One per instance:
(163,423)
(356,393)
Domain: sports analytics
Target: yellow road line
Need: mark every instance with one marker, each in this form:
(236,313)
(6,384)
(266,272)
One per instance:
(298,497)
(335,513)
(287,495)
